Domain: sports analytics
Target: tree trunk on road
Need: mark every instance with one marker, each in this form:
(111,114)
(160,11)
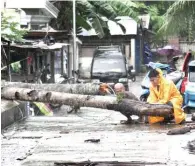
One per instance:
(126,107)
(131,107)
(88,88)
(24,94)
(181,130)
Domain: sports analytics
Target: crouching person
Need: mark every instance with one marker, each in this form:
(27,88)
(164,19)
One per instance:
(163,91)
(120,88)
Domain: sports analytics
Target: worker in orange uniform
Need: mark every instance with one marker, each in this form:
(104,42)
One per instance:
(163,91)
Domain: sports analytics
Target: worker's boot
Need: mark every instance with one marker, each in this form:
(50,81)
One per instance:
(182,122)
(128,121)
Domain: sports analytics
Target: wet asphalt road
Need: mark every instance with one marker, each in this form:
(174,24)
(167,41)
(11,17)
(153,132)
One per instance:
(61,138)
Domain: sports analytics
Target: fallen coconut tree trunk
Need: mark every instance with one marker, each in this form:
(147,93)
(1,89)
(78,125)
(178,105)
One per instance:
(131,107)
(88,88)
(85,89)
(11,93)
(181,130)
(126,107)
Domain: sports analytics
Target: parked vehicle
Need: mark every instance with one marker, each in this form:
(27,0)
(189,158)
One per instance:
(131,74)
(168,72)
(189,94)
(188,58)
(109,66)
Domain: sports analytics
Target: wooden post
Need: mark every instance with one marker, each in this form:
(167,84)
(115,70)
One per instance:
(52,54)
(26,65)
(141,43)
(29,65)
(35,63)
(8,63)
(62,60)
(141,48)
(69,62)
(45,59)
(38,62)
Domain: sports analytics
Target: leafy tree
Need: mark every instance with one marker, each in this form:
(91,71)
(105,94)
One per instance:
(96,13)
(93,14)
(9,30)
(125,8)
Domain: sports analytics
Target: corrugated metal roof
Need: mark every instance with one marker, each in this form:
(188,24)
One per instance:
(129,24)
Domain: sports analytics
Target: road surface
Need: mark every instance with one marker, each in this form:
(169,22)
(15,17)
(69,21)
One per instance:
(60,140)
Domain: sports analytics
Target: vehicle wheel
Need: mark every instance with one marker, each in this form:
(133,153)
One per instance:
(133,78)
(187,110)
(143,98)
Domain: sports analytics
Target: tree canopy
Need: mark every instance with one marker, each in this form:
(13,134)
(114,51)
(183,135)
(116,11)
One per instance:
(10,30)
(179,19)
(166,17)
(94,14)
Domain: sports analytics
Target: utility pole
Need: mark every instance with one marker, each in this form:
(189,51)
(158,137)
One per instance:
(73,60)
(8,63)
(74,39)
(141,43)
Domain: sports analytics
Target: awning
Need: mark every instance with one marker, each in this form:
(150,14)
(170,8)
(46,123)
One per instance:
(40,45)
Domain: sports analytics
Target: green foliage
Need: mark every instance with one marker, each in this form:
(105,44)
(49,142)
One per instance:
(89,14)
(9,30)
(193,54)
(156,10)
(125,8)
(179,19)
(93,14)
(84,12)
(16,66)
(119,97)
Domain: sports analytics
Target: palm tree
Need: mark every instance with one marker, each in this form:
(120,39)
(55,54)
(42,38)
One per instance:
(179,19)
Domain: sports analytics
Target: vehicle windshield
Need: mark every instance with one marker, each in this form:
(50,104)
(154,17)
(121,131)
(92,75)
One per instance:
(108,54)
(192,74)
(105,65)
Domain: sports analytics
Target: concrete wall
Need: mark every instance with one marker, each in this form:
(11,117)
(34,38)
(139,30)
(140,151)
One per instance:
(185,46)
(11,112)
